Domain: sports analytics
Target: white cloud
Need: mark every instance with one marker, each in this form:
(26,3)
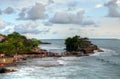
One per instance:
(2,24)
(98,6)
(71,18)
(68,18)
(26,28)
(50,2)
(29,35)
(35,13)
(31,28)
(60,17)
(63,14)
(118,2)
(22,14)
(9,10)
(8,31)
(0,11)
(88,22)
(113,9)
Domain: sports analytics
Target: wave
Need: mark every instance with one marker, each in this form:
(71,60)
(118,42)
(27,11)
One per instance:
(108,56)
(61,62)
(113,62)
(70,58)
(106,52)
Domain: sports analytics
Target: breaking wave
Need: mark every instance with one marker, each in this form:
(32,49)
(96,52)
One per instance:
(108,56)
(106,52)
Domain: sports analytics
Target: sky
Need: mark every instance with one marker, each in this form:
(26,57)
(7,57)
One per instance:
(59,19)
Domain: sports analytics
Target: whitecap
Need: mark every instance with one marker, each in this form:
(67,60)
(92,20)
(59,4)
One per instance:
(106,52)
(61,62)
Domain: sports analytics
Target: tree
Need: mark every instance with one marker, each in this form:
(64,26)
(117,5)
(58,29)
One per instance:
(17,43)
(35,42)
(76,43)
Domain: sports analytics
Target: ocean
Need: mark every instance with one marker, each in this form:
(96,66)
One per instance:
(100,65)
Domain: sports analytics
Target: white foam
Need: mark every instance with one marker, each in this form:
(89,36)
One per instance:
(70,58)
(106,52)
(61,62)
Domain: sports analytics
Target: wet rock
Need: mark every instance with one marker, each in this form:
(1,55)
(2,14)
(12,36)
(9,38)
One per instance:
(100,50)
(45,43)
(4,70)
(90,49)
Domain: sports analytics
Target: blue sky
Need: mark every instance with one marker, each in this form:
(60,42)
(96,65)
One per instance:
(54,19)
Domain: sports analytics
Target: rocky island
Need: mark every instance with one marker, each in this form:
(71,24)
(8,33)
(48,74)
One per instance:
(77,46)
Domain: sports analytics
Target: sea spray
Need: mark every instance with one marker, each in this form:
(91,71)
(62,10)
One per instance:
(106,52)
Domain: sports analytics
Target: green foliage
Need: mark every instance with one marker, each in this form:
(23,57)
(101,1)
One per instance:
(2,35)
(17,43)
(76,43)
(35,42)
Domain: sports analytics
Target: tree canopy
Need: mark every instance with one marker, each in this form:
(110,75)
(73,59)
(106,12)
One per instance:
(76,43)
(17,43)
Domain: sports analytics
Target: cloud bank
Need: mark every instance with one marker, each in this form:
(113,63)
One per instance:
(113,8)
(2,24)
(71,18)
(36,12)
(9,10)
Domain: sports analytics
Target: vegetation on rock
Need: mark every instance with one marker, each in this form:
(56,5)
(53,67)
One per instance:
(77,43)
(17,43)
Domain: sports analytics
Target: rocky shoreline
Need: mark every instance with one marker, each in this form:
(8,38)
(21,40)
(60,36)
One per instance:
(6,70)
(23,58)
(79,47)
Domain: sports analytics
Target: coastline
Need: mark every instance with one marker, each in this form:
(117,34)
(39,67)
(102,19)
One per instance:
(101,62)
(75,47)
(39,55)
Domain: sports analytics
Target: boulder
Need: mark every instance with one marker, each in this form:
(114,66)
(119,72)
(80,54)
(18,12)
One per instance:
(4,70)
(100,50)
(90,49)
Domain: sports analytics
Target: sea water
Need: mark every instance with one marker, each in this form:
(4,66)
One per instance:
(100,65)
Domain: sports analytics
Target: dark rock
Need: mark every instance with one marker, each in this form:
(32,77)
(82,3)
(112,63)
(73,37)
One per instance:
(45,43)
(4,70)
(90,49)
(100,50)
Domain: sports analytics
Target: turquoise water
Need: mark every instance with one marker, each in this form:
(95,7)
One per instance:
(103,65)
